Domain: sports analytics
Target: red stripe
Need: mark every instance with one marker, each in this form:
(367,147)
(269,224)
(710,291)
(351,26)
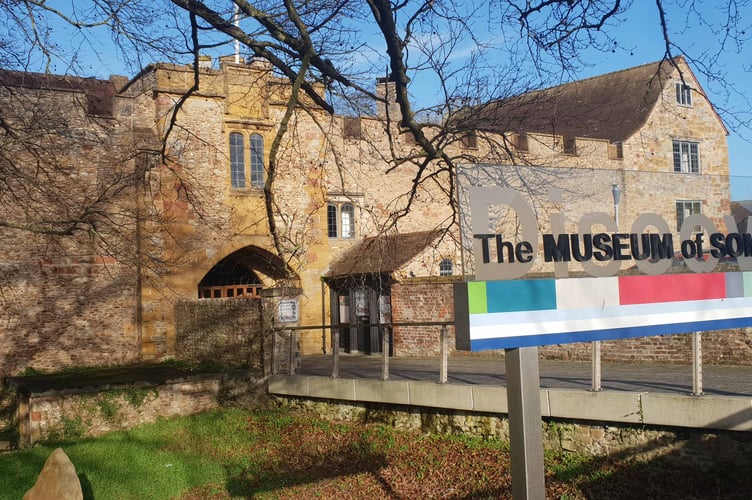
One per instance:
(671,288)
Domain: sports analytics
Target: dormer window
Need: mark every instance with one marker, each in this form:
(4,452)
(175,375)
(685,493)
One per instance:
(521,143)
(470,140)
(616,151)
(683,94)
(570,146)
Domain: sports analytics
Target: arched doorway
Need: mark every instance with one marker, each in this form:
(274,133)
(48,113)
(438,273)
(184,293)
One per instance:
(242,274)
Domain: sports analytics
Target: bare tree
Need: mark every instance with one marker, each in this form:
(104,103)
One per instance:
(467,53)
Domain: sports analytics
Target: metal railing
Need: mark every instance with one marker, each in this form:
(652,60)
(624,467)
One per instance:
(286,339)
(292,352)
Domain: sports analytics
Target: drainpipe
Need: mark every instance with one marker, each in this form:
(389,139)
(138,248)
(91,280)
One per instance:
(323,317)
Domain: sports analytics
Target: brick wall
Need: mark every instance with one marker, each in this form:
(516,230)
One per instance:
(421,301)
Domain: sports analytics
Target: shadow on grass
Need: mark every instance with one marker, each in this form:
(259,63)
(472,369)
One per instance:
(694,467)
(307,467)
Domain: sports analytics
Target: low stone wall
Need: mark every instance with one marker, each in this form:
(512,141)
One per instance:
(91,411)
(637,441)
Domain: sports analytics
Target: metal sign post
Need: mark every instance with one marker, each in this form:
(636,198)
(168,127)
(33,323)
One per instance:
(525,423)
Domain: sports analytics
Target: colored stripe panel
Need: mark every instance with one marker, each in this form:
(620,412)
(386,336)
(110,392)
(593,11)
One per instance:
(671,288)
(522,295)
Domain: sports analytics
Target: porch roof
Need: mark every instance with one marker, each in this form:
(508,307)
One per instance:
(381,254)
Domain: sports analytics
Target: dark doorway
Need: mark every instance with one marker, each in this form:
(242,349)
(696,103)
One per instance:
(360,308)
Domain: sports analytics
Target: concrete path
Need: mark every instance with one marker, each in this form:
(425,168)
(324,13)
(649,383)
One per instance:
(677,379)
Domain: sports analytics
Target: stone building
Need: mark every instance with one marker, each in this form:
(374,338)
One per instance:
(195,222)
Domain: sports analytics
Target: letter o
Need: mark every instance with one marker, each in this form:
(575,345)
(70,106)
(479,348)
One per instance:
(685,233)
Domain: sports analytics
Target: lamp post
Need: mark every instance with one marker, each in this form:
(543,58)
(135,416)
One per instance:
(596,358)
(616,192)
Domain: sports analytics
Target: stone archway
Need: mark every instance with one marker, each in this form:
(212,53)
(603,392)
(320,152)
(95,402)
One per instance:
(227,331)
(243,274)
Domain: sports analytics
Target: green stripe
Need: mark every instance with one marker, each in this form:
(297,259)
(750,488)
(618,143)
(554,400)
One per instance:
(476,297)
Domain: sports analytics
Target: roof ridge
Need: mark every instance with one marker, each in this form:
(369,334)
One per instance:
(607,75)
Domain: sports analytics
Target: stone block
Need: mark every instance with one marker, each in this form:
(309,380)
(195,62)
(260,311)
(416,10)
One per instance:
(57,480)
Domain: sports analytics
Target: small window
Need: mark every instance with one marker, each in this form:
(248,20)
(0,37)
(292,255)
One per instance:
(616,151)
(520,142)
(331,221)
(347,216)
(683,94)
(470,140)
(237,160)
(570,146)
(445,267)
(686,208)
(686,157)
(407,137)
(257,161)
(351,127)
(340,220)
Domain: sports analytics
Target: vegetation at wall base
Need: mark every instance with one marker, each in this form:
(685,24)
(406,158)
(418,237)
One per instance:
(275,453)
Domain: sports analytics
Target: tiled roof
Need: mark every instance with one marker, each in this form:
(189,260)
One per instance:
(99,93)
(612,106)
(381,254)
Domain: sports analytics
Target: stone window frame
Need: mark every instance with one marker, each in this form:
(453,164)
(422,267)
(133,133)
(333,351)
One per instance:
(685,208)
(689,164)
(683,94)
(237,160)
(246,163)
(446,267)
(341,213)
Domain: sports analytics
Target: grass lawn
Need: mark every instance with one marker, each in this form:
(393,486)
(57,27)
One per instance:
(280,454)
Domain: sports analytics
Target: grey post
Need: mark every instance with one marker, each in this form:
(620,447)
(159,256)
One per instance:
(525,423)
(444,355)
(293,348)
(696,364)
(384,352)
(335,352)
(275,343)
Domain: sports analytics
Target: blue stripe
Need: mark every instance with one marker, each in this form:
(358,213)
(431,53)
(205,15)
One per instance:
(611,334)
(521,295)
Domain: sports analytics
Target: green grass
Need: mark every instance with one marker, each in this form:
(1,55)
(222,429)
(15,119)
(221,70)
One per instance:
(276,453)
(156,461)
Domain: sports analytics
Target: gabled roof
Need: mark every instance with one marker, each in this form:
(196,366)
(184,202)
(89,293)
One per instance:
(381,254)
(99,93)
(612,107)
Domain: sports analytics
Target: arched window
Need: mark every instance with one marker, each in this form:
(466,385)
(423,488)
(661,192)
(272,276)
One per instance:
(257,161)
(331,221)
(237,160)
(347,216)
(445,267)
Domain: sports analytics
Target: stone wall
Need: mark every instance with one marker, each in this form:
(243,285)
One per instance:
(636,441)
(225,332)
(74,413)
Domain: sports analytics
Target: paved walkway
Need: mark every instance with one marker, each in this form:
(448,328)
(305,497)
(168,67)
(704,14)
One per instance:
(720,380)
